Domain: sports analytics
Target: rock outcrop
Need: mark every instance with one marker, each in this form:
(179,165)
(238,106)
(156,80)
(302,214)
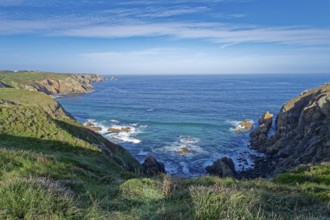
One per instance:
(151,167)
(73,84)
(118,130)
(302,133)
(92,126)
(223,167)
(183,151)
(259,136)
(243,126)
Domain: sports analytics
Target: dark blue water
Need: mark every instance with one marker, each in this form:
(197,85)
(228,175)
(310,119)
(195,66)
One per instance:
(167,113)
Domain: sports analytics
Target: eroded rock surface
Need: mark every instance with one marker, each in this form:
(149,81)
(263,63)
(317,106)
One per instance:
(73,84)
(223,167)
(302,133)
(259,136)
(151,167)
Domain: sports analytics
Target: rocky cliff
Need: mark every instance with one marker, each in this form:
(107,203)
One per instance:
(73,84)
(302,134)
(49,83)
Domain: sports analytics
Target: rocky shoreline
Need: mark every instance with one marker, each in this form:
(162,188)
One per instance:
(53,84)
(302,137)
(73,84)
(302,128)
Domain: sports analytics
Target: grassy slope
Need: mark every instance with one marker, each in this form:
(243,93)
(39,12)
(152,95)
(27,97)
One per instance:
(50,170)
(21,78)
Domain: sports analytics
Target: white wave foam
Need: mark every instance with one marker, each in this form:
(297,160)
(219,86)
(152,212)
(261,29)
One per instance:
(191,143)
(142,153)
(150,109)
(56,96)
(104,129)
(113,121)
(124,135)
(236,125)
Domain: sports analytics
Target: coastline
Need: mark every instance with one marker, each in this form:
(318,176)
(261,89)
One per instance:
(142,153)
(262,164)
(58,165)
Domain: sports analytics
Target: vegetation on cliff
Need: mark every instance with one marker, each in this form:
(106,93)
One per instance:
(51,167)
(49,83)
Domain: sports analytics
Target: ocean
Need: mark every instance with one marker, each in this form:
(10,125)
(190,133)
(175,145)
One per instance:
(166,114)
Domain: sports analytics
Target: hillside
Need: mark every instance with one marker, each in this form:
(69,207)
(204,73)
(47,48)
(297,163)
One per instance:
(51,167)
(49,83)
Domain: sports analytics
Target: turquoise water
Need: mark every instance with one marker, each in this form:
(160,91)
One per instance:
(167,113)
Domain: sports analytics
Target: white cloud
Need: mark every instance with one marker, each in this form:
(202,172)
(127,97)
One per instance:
(222,33)
(215,32)
(183,61)
(151,21)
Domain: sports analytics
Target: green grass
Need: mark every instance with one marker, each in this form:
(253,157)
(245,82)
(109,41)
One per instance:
(314,180)
(51,167)
(21,78)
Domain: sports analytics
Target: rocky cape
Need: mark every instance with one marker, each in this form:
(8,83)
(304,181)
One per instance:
(302,136)
(73,84)
(54,84)
(49,83)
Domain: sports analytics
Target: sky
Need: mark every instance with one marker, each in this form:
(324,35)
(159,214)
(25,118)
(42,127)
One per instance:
(166,37)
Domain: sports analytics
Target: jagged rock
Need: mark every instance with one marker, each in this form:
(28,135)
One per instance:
(265,121)
(151,167)
(95,128)
(243,126)
(73,84)
(302,133)
(184,150)
(92,126)
(223,167)
(246,124)
(89,124)
(118,130)
(259,136)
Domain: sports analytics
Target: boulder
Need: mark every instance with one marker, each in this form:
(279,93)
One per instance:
(118,130)
(92,126)
(243,126)
(247,124)
(223,167)
(95,128)
(151,167)
(184,150)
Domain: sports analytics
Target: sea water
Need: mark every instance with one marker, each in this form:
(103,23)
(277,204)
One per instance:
(166,114)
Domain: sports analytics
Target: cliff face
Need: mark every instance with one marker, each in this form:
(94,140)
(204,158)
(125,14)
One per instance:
(49,83)
(73,84)
(302,132)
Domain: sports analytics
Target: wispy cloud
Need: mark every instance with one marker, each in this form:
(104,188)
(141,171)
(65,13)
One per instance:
(157,18)
(215,32)
(222,33)
(228,45)
(180,60)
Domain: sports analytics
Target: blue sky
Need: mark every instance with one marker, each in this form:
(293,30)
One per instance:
(166,37)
